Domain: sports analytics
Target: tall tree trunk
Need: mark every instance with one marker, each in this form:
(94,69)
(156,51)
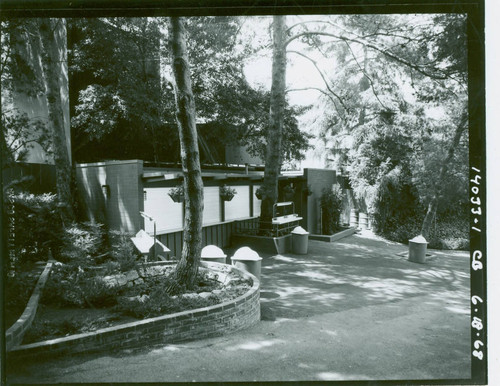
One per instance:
(52,57)
(433,204)
(187,267)
(275,126)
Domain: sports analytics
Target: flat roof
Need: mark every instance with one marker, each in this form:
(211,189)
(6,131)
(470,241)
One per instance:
(174,175)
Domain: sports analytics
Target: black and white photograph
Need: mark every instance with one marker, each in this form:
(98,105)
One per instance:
(250,192)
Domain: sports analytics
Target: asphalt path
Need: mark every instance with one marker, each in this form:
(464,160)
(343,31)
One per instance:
(356,309)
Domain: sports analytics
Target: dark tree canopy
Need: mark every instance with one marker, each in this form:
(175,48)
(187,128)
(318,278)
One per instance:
(123,106)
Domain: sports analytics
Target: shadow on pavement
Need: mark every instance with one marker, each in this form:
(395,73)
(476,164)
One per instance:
(356,272)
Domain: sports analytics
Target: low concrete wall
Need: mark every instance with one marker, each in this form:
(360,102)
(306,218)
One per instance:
(15,334)
(334,237)
(263,244)
(200,323)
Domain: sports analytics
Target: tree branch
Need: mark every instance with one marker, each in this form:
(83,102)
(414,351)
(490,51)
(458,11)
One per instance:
(382,50)
(317,89)
(322,76)
(367,77)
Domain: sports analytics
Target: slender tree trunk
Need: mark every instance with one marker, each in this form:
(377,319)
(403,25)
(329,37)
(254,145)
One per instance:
(54,53)
(433,204)
(187,267)
(275,126)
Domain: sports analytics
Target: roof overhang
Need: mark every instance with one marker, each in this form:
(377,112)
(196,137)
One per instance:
(161,176)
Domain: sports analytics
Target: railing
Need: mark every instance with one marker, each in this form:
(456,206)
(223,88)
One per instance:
(220,233)
(247,226)
(213,234)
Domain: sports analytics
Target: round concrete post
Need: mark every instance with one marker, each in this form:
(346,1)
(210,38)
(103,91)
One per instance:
(213,253)
(248,260)
(300,241)
(418,249)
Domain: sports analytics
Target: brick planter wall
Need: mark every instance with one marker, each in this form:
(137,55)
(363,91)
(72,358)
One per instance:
(200,323)
(15,333)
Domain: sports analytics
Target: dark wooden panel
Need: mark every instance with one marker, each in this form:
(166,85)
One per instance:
(218,234)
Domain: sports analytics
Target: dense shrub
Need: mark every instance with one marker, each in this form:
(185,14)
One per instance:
(35,226)
(447,232)
(450,231)
(77,282)
(123,253)
(399,214)
(403,231)
(331,207)
(83,243)
(18,290)
(397,205)
(71,285)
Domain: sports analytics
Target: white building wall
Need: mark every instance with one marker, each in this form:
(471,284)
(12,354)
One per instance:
(239,206)
(166,212)
(211,209)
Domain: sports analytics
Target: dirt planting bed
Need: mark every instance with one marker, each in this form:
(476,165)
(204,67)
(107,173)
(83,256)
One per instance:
(132,296)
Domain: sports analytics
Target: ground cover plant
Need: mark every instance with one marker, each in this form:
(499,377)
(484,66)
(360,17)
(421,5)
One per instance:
(18,290)
(78,300)
(34,229)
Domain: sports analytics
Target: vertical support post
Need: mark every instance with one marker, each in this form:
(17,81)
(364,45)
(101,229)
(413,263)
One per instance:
(154,240)
(222,209)
(250,190)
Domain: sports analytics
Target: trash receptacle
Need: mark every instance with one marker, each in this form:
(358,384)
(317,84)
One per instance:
(213,253)
(418,249)
(248,260)
(300,240)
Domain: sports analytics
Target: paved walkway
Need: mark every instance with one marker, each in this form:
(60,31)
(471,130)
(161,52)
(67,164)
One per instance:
(355,309)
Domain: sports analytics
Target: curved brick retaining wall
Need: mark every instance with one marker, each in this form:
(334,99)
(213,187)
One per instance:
(15,333)
(200,323)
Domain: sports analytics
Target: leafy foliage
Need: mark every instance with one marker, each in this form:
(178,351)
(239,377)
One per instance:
(18,290)
(83,243)
(19,135)
(227,193)
(19,44)
(36,227)
(132,116)
(295,141)
(120,107)
(72,285)
(18,72)
(393,105)
(396,202)
(398,215)
(331,207)
(123,252)
(177,193)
